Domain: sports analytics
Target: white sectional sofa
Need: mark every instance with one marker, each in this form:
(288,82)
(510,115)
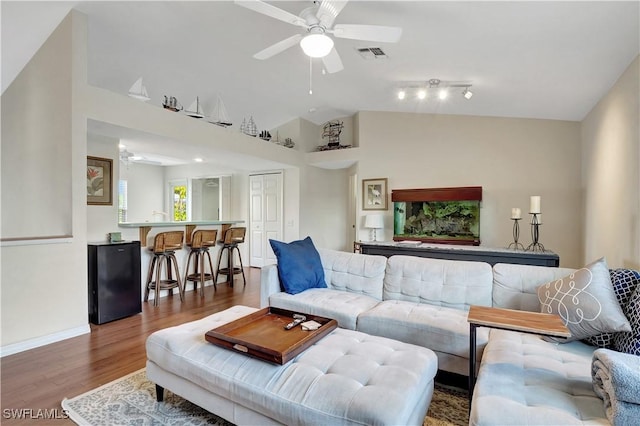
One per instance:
(523,379)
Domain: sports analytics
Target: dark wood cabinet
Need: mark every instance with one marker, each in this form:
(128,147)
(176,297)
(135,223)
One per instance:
(115,290)
(479,254)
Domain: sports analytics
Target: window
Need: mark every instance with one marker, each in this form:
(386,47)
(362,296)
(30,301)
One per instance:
(122,200)
(179,206)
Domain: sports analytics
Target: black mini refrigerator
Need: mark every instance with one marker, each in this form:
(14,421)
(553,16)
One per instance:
(114,281)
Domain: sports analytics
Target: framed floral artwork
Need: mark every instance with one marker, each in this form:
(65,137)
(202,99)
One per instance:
(374,194)
(99,181)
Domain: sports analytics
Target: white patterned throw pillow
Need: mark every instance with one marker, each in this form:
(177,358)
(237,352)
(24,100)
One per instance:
(586,302)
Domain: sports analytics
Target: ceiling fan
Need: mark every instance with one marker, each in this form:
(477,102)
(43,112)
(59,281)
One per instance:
(318,22)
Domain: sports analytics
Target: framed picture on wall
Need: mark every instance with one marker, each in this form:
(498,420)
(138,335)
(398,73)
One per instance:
(374,194)
(99,181)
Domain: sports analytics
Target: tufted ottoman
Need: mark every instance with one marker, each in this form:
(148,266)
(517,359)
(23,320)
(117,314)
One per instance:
(348,377)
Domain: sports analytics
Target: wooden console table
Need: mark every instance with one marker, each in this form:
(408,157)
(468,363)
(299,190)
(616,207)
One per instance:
(509,319)
(453,252)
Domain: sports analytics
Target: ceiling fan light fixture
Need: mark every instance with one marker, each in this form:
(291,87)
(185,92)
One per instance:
(316,45)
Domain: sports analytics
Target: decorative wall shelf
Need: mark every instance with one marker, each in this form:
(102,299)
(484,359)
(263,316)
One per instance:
(334,159)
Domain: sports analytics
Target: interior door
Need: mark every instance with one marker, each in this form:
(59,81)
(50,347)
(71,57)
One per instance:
(266,200)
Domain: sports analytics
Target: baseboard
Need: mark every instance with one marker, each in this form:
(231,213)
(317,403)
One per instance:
(14,348)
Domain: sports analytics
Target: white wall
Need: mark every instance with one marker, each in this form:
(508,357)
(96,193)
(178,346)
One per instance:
(611,174)
(511,159)
(145,191)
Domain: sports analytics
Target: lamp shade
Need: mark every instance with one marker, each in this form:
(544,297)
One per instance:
(316,45)
(374,221)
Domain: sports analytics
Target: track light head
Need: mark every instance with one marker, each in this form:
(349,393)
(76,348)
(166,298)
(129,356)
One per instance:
(467,93)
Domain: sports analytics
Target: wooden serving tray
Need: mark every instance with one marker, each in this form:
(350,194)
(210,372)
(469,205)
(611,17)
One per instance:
(262,335)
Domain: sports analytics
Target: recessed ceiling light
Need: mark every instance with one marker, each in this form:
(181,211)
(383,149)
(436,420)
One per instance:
(121,146)
(443,94)
(401,94)
(422,94)
(198,160)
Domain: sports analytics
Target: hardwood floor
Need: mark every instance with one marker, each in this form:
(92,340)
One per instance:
(40,378)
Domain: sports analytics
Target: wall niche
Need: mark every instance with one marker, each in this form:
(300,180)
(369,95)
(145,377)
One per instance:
(437,215)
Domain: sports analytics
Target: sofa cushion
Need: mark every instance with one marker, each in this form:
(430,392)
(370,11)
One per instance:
(450,283)
(353,272)
(438,328)
(624,283)
(342,306)
(524,379)
(585,301)
(515,286)
(299,265)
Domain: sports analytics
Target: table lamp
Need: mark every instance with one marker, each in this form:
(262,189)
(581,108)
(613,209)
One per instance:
(373,222)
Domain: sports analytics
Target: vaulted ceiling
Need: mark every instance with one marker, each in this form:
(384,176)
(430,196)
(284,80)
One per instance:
(551,60)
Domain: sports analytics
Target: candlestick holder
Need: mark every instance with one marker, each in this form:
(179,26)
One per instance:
(535,234)
(516,234)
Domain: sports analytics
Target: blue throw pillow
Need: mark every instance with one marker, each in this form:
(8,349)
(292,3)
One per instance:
(299,265)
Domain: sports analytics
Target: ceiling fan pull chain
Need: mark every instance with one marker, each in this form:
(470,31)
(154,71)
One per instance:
(310,76)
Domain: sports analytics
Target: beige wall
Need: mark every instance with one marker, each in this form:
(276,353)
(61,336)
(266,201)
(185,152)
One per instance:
(611,174)
(103,219)
(44,286)
(511,159)
(33,112)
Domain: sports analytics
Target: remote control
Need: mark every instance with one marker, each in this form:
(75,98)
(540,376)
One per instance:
(297,319)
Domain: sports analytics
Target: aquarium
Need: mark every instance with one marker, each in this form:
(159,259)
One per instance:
(430,217)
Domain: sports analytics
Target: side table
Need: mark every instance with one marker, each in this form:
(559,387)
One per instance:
(509,319)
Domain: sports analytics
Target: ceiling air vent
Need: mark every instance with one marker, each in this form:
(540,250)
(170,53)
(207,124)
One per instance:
(371,53)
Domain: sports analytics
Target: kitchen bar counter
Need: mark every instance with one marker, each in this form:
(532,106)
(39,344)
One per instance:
(145,227)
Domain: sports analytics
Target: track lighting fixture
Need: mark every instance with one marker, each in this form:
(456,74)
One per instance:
(421,89)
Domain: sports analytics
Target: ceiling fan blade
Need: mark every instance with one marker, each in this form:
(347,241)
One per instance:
(332,62)
(368,32)
(279,47)
(328,11)
(272,11)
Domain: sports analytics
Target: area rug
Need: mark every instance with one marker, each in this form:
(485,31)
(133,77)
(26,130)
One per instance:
(131,400)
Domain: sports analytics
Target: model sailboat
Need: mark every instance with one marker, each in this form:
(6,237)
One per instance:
(194,109)
(138,91)
(219,115)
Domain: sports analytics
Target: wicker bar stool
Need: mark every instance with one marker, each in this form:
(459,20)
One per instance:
(232,238)
(200,242)
(164,246)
